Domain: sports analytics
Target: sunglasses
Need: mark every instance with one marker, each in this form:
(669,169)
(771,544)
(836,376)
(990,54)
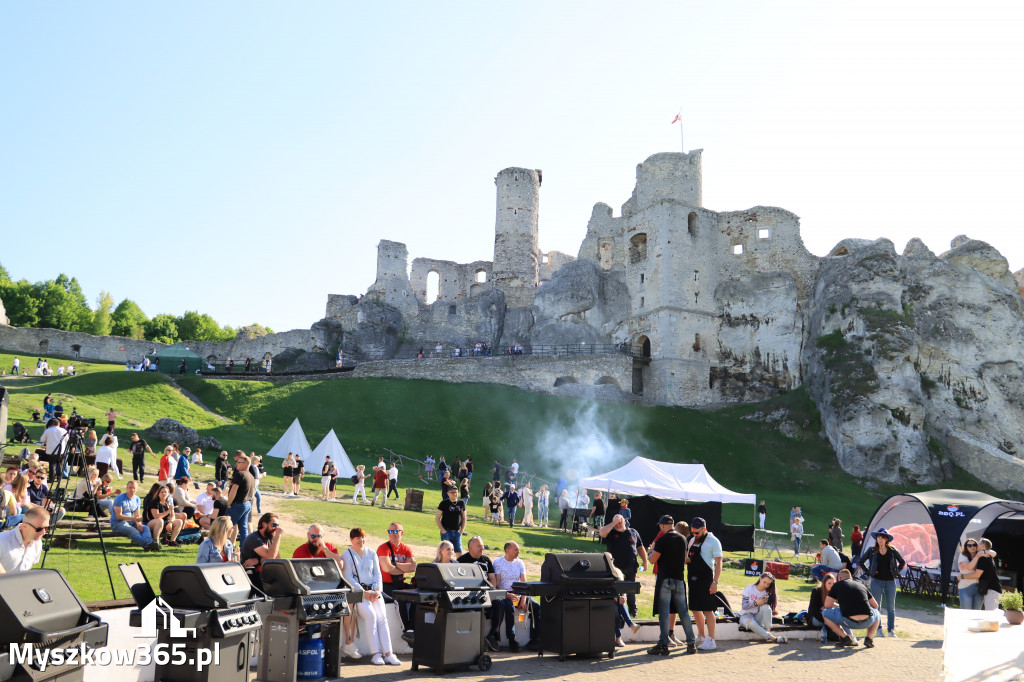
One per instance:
(274,525)
(394,532)
(971,544)
(38,529)
(312,536)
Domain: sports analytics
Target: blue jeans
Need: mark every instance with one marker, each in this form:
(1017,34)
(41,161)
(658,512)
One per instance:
(817,622)
(239,515)
(128,530)
(259,502)
(673,592)
(454,537)
(970,598)
(511,516)
(11,521)
(796,544)
(884,592)
(820,570)
(835,615)
(622,619)
(759,623)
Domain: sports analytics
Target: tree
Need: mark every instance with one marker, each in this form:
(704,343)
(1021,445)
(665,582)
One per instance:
(194,326)
(128,320)
(101,320)
(63,305)
(163,328)
(253,331)
(20,302)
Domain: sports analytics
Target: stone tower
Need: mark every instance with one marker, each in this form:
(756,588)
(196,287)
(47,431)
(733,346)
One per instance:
(516,253)
(392,284)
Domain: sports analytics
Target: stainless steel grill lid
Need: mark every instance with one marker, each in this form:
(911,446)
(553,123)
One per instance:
(38,601)
(558,568)
(302,577)
(205,586)
(450,577)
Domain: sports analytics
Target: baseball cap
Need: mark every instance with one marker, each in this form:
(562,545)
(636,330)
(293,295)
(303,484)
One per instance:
(666,519)
(698,522)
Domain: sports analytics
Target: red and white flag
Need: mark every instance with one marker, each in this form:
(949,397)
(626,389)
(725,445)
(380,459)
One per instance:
(679,117)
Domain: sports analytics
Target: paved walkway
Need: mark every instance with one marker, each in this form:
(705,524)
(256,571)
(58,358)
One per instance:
(919,660)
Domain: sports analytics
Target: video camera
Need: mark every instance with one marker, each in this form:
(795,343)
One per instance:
(77,421)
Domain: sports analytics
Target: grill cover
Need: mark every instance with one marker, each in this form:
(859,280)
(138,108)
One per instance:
(450,577)
(558,568)
(302,577)
(205,586)
(35,605)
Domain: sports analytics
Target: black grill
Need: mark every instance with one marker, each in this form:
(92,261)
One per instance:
(306,592)
(578,610)
(450,600)
(39,608)
(220,603)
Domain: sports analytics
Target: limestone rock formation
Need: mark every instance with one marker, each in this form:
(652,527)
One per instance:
(172,431)
(914,361)
(209,443)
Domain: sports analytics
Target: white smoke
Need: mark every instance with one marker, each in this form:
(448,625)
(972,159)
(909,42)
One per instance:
(592,439)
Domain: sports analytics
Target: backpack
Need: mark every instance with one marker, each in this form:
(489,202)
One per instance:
(355,479)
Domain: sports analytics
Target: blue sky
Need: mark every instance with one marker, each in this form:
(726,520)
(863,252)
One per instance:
(244,159)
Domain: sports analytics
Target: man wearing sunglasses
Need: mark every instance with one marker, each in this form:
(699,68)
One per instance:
(395,558)
(264,544)
(317,547)
(21,547)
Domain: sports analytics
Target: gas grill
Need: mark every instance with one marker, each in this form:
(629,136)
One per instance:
(578,593)
(40,611)
(450,601)
(306,592)
(216,607)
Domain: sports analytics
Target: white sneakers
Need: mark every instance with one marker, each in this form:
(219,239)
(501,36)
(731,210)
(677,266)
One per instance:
(707,645)
(377,659)
(350,650)
(672,641)
(391,659)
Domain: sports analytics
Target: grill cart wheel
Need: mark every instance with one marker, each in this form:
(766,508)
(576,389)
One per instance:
(415,665)
(484,662)
(611,654)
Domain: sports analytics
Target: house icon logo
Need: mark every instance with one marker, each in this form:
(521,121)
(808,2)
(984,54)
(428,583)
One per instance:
(158,611)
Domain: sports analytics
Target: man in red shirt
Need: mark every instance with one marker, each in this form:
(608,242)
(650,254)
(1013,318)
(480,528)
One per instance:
(317,547)
(380,485)
(396,560)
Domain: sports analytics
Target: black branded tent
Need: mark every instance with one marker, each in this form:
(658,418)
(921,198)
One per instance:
(929,528)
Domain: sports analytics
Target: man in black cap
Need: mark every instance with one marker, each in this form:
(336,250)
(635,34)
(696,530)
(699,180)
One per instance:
(669,553)
(705,555)
(624,544)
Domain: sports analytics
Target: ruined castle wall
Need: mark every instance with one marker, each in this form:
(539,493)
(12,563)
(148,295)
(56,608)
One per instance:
(527,372)
(603,243)
(392,285)
(670,175)
(456,280)
(551,262)
(516,254)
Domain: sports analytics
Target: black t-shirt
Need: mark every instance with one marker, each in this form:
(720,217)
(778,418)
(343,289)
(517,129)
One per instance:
(221,505)
(138,448)
(246,486)
(598,507)
(252,541)
(883,567)
(299,466)
(853,597)
(220,469)
(761,509)
(469,466)
(672,548)
(485,564)
(622,546)
(451,514)
(154,505)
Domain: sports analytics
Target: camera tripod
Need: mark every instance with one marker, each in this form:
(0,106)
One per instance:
(70,452)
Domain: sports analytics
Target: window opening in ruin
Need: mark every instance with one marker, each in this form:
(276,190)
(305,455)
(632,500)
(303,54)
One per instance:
(641,278)
(695,296)
(691,224)
(737,249)
(433,286)
(560,381)
(696,343)
(451,310)
(515,211)
(637,248)
(642,347)
(763,233)
(605,254)
(641,301)
(481,276)
(695,273)
(544,259)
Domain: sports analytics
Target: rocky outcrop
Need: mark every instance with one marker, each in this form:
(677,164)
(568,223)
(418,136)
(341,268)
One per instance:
(172,431)
(580,304)
(914,361)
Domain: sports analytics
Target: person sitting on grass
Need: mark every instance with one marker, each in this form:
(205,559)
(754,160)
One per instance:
(161,518)
(127,519)
(831,562)
(756,609)
(849,606)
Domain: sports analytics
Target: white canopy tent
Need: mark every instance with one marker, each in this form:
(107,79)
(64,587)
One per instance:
(665,480)
(331,447)
(293,440)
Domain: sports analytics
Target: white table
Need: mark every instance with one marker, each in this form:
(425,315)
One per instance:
(989,656)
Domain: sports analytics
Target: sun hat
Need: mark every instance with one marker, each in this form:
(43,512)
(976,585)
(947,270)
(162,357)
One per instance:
(883,532)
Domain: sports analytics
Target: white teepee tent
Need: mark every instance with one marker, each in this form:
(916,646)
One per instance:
(331,446)
(293,440)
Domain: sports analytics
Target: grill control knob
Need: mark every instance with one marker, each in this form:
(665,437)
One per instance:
(330,606)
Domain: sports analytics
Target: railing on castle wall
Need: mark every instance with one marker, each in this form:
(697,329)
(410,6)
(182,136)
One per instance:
(561,350)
